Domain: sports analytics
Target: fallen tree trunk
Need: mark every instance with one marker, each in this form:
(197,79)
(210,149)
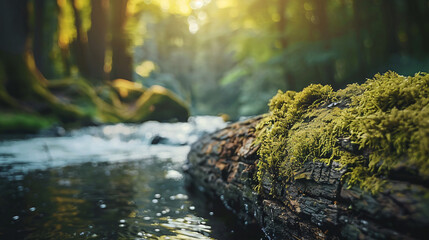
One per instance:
(316,205)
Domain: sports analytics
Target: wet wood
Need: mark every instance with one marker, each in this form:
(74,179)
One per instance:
(317,205)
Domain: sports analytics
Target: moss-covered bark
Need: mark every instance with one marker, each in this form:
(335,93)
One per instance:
(327,165)
(386,119)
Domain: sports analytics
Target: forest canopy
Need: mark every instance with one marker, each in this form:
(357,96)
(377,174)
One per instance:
(214,56)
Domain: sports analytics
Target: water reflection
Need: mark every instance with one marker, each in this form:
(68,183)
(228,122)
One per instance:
(107,200)
(110,194)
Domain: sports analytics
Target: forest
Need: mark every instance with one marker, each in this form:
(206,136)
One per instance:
(214,119)
(80,62)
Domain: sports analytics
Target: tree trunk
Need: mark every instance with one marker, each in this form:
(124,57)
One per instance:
(38,39)
(417,21)
(391,27)
(121,59)
(289,78)
(327,69)
(282,23)
(13,26)
(81,44)
(14,32)
(97,39)
(45,28)
(64,50)
(358,24)
(21,84)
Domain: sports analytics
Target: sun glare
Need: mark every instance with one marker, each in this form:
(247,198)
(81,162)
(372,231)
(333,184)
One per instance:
(145,68)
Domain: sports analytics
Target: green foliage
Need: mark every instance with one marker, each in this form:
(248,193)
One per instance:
(286,45)
(242,51)
(233,75)
(386,117)
(226,56)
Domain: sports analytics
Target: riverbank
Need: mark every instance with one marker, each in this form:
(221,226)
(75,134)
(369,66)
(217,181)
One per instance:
(110,182)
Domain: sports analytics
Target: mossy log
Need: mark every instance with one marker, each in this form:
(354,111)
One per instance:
(316,205)
(351,164)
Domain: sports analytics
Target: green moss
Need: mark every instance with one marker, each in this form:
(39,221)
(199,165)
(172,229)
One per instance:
(23,123)
(160,104)
(387,118)
(287,109)
(155,103)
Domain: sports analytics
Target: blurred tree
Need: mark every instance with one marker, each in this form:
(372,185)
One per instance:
(317,41)
(417,26)
(391,26)
(223,55)
(80,44)
(358,25)
(22,85)
(122,64)
(97,39)
(282,4)
(45,27)
(14,30)
(327,70)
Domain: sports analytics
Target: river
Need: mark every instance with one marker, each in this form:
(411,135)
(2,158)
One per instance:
(120,181)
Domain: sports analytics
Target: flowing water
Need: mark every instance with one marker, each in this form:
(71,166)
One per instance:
(119,181)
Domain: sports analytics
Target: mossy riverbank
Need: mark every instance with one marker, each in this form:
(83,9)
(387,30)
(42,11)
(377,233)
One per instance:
(121,101)
(29,102)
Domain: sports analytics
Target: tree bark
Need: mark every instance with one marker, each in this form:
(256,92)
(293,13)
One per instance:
(358,24)
(289,77)
(97,39)
(80,44)
(327,69)
(282,23)
(45,28)
(13,26)
(13,44)
(316,205)
(38,39)
(391,27)
(22,86)
(121,59)
(417,21)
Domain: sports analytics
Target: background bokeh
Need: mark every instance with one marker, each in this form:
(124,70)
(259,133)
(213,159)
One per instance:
(220,56)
